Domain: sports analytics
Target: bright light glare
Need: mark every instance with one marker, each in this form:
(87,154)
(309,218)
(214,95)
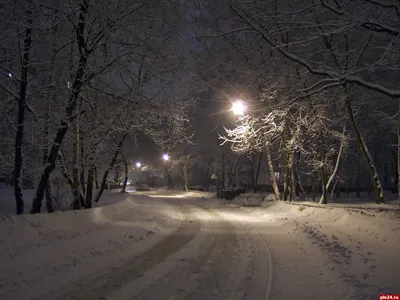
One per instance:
(138,164)
(10,75)
(238,107)
(165,157)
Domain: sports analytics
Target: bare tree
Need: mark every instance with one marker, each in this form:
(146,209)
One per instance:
(330,45)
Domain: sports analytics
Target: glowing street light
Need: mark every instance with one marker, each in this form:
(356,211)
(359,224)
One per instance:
(138,164)
(165,157)
(238,107)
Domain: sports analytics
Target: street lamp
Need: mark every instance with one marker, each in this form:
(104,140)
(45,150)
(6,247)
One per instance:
(165,157)
(238,107)
(138,164)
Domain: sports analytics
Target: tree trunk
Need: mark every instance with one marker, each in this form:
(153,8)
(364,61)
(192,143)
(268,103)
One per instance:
(107,171)
(186,177)
(48,192)
(299,181)
(169,179)
(324,198)
(286,178)
(257,176)
(287,182)
(398,161)
(286,175)
(125,177)
(89,188)
(366,155)
(253,179)
(314,192)
(272,173)
(96,180)
(395,175)
(338,187)
(165,177)
(49,100)
(75,164)
(292,184)
(338,158)
(65,172)
(82,180)
(70,109)
(358,187)
(223,167)
(333,189)
(82,165)
(117,177)
(237,183)
(23,85)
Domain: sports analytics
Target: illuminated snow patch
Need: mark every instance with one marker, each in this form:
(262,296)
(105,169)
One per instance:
(166,196)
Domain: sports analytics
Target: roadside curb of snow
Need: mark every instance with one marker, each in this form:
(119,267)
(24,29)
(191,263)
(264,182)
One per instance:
(248,200)
(71,245)
(367,211)
(67,225)
(41,220)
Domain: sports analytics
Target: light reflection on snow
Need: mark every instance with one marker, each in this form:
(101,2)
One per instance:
(98,215)
(139,218)
(166,196)
(249,218)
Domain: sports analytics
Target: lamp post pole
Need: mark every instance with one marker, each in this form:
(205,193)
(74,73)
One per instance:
(167,182)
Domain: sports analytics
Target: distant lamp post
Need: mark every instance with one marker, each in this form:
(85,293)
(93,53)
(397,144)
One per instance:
(138,164)
(167,179)
(238,107)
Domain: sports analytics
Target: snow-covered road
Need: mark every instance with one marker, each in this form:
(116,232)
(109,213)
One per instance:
(170,246)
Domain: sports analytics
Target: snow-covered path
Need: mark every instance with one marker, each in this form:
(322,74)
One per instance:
(170,246)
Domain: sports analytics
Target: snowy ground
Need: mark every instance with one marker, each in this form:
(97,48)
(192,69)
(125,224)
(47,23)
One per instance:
(171,245)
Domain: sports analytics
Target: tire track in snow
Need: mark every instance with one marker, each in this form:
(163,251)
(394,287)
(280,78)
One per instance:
(257,283)
(173,278)
(100,286)
(217,278)
(211,266)
(203,269)
(240,268)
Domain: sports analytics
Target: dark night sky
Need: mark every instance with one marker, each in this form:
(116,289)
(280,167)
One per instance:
(206,118)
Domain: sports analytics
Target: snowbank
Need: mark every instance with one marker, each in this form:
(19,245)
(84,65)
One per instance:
(42,251)
(64,196)
(203,195)
(327,253)
(247,200)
